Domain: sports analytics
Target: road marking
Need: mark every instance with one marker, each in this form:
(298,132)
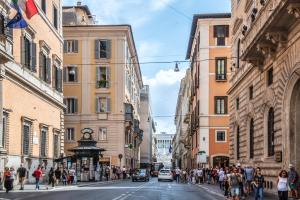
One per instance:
(210,191)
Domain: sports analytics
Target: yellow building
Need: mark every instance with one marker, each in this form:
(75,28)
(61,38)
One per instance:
(31,90)
(208,50)
(102,83)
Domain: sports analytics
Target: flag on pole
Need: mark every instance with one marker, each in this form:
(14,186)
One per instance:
(31,8)
(17,21)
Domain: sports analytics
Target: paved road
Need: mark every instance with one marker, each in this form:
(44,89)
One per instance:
(126,190)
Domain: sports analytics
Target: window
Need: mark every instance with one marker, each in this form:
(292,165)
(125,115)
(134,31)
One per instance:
(270,76)
(102,134)
(28,53)
(70,74)
(103,104)
(220,105)
(221,32)
(45,68)
(71,46)
(4,130)
(238,143)
(43,5)
(102,49)
(57,78)
(70,134)
(56,145)
(251,139)
(26,137)
(237,103)
(102,77)
(271,133)
(221,65)
(251,92)
(220,136)
(55,17)
(71,104)
(43,142)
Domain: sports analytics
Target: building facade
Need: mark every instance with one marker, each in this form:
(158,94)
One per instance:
(102,84)
(209,51)
(31,99)
(181,141)
(164,148)
(264,86)
(147,125)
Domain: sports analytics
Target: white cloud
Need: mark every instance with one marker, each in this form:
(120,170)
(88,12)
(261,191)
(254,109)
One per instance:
(160,4)
(164,78)
(148,49)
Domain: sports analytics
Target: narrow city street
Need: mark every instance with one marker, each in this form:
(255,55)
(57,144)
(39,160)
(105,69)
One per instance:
(152,190)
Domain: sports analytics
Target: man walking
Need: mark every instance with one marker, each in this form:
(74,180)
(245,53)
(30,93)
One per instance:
(22,172)
(177,172)
(293,181)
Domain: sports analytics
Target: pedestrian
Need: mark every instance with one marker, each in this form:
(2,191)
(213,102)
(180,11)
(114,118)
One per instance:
(37,175)
(282,185)
(249,174)
(51,175)
(258,184)
(234,182)
(226,183)
(13,176)
(64,177)
(21,172)
(7,180)
(177,174)
(199,175)
(57,173)
(184,176)
(114,171)
(241,183)
(293,181)
(107,173)
(221,178)
(209,170)
(124,172)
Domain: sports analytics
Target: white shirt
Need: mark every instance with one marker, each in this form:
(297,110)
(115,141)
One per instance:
(282,184)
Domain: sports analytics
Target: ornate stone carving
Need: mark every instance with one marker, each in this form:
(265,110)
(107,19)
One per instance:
(294,9)
(277,38)
(266,49)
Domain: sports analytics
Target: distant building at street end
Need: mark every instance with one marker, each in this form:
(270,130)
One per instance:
(181,154)
(147,125)
(102,85)
(209,51)
(265,86)
(31,98)
(164,148)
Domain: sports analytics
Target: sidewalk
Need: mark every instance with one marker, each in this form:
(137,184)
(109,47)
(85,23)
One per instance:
(214,189)
(45,187)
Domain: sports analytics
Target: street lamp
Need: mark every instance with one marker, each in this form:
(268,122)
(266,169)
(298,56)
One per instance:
(176,67)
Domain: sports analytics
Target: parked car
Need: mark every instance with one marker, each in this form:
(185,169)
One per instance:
(141,175)
(165,174)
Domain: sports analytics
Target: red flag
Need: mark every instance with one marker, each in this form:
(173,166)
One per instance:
(31,9)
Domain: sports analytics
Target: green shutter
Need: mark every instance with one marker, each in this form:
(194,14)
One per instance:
(33,57)
(75,46)
(97,49)
(108,49)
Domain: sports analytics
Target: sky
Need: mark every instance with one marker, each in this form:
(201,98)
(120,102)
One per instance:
(161,31)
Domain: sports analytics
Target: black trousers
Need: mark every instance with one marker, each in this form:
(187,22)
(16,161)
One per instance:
(283,195)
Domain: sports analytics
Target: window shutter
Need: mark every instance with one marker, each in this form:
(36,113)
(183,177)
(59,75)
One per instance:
(226,105)
(3,22)
(97,77)
(97,49)
(33,57)
(108,49)
(22,50)
(65,74)
(76,74)
(216,99)
(76,105)
(41,64)
(59,80)
(108,76)
(108,101)
(227,30)
(65,46)
(215,31)
(97,105)
(48,70)
(75,46)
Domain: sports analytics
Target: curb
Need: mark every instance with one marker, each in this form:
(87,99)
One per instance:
(210,190)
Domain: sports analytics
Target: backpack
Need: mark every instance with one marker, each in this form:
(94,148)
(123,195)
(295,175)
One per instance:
(234,180)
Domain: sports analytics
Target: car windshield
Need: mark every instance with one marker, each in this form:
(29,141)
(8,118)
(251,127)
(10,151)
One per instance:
(164,171)
(143,171)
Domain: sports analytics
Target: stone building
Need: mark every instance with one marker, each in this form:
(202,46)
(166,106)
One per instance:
(181,141)
(265,86)
(209,50)
(102,84)
(31,99)
(164,148)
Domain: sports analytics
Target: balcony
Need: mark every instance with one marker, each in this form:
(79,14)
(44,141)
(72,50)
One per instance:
(267,33)
(6,45)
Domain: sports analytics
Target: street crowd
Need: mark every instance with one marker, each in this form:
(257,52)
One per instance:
(11,177)
(237,182)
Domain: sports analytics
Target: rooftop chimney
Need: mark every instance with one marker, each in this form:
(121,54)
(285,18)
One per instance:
(78,3)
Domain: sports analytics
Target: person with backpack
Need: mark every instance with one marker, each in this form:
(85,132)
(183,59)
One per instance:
(258,184)
(57,173)
(282,185)
(22,172)
(234,183)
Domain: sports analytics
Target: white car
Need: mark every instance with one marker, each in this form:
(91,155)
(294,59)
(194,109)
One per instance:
(165,174)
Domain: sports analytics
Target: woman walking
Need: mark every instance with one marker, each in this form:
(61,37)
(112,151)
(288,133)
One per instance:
(282,185)
(259,185)
(7,180)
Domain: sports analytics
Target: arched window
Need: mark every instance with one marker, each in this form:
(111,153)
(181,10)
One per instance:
(251,139)
(238,143)
(271,133)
